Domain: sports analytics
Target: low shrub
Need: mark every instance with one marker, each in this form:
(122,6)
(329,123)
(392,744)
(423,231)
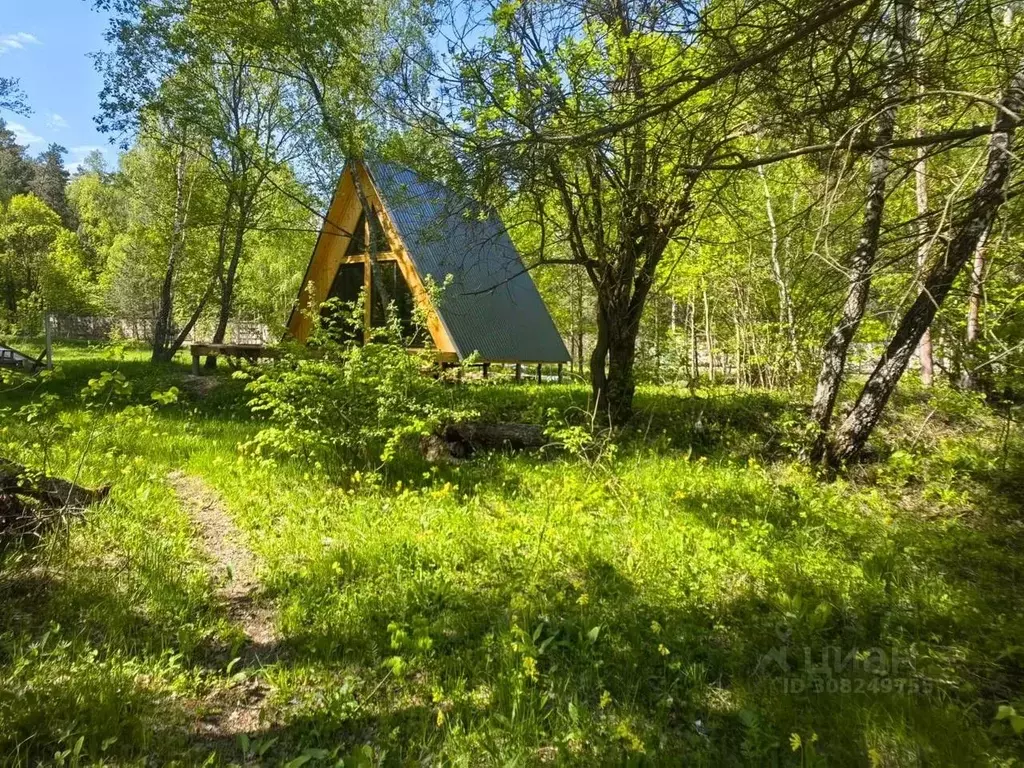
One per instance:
(345,405)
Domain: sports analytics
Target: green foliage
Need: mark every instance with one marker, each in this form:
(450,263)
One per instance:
(590,606)
(90,702)
(42,263)
(65,283)
(349,405)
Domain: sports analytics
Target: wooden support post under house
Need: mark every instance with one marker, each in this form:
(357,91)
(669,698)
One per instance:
(519,373)
(559,373)
(485,370)
(538,373)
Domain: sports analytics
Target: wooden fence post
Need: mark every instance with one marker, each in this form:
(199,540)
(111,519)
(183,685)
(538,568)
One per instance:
(48,324)
(519,373)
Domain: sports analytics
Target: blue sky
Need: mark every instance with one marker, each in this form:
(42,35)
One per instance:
(45,44)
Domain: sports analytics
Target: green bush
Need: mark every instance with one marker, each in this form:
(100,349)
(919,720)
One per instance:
(347,405)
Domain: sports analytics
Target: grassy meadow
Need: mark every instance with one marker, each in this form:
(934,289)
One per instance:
(689,594)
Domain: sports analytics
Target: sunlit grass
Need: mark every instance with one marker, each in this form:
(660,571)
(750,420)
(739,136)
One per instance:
(619,607)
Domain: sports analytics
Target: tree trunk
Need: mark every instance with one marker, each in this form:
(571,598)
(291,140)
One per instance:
(969,378)
(693,361)
(578,279)
(785,302)
(739,349)
(708,340)
(227,291)
(222,247)
(53,498)
(165,311)
(837,346)
(621,381)
(54,492)
(924,350)
(462,440)
(182,336)
(984,205)
(657,339)
(613,361)
(599,361)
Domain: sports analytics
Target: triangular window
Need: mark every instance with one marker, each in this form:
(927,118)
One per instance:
(357,245)
(339,316)
(401,297)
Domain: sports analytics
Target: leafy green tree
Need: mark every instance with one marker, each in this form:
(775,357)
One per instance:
(611,122)
(232,109)
(98,201)
(66,285)
(163,266)
(41,263)
(28,230)
(965,236)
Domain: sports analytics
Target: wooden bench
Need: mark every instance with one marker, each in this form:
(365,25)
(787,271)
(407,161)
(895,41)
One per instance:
(250,352)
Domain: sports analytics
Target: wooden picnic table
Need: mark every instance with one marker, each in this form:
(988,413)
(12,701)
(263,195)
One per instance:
(251,352)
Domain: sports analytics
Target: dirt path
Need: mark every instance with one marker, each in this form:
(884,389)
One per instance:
(236,708)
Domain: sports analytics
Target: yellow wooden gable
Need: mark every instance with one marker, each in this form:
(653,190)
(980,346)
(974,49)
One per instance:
(333,250)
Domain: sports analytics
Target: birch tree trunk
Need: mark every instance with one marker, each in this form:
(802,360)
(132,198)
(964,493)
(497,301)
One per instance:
(165,308)
(924,351)
(969,375)
(708,340)
(969,378)
(837,345)
(579,319)
(694,361)
(984,205)
(785,303)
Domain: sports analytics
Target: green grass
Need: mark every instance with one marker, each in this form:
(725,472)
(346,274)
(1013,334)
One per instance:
(622,608)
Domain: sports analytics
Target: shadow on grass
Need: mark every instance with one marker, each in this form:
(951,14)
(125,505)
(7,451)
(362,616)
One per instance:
(81,661)
(612,668)
(685,683)
(581,656)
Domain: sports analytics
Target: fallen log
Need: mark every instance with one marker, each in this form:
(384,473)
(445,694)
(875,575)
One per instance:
(30,500)
(54,492)
(462,440)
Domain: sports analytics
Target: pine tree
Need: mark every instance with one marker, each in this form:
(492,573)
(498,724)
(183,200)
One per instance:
(15,167)
(49,183)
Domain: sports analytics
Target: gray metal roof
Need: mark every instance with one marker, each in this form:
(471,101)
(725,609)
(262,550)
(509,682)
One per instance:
(491,306)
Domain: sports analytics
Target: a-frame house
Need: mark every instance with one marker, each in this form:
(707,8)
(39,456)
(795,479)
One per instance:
(488,305)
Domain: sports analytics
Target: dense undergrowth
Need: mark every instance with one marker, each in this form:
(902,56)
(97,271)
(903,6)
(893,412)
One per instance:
(689,593)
